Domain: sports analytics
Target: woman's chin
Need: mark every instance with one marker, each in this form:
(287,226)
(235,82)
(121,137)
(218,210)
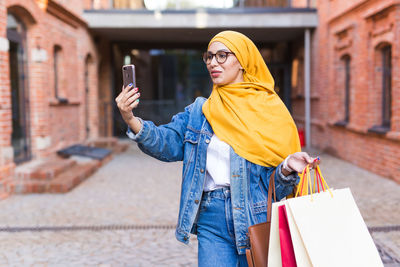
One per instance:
(217,81)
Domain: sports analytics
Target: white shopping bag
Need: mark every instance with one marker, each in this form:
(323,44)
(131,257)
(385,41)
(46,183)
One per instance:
(274,254)
(274,250)
(329,231)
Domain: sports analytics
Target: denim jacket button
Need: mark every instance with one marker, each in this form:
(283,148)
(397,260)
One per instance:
(185,238)
(201,170)
(196,201)
(207,141)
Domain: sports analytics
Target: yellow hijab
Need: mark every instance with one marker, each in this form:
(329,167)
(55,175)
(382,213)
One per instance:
(250,116)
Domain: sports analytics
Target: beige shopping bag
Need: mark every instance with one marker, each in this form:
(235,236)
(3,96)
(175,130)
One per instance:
(328,230)
(302,258)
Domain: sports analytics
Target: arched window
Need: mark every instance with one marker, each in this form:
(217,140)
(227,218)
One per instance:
(57,57)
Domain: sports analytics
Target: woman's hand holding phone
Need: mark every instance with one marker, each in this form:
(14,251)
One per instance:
(126,101)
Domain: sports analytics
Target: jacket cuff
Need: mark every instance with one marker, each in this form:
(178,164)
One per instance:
(143,132)
(291,179)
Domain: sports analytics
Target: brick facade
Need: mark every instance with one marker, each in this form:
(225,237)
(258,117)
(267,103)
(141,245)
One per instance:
(357,30)
(53,124)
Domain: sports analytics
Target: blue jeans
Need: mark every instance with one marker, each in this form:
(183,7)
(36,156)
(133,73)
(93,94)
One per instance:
(215,232)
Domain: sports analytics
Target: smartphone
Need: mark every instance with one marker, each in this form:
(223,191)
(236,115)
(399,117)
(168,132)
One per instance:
(128,75)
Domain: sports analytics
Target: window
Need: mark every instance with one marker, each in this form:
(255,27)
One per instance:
(20,136)
(343,83)
(57,74)
(386,86)
(57,54)
(346,63)
(383,110)
(88,78)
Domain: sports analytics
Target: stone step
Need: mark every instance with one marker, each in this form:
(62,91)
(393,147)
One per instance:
(63,182)
(56,174)
(67,180)
(103,142)
(43,169)
(27,186)
(120,147)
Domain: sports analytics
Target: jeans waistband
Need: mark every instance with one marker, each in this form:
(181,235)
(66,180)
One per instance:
(221,193)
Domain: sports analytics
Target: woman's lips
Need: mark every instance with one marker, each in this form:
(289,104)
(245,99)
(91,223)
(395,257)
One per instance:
(215,74)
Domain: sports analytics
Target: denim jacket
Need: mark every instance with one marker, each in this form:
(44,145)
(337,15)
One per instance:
(186,138)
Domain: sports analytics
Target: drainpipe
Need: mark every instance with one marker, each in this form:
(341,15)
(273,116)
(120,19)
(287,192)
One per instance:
(307,87)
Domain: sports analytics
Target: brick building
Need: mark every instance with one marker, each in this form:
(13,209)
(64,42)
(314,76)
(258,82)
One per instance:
(355,86)
(48,80)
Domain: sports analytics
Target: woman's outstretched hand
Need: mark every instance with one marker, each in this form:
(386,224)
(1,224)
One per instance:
(126,101)
(298,161)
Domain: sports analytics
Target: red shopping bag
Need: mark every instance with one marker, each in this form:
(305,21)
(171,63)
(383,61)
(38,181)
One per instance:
(287,252)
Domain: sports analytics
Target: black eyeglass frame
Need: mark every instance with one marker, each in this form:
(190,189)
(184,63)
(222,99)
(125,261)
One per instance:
(208,61)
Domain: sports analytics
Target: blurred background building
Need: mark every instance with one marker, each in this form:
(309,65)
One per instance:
(334,63)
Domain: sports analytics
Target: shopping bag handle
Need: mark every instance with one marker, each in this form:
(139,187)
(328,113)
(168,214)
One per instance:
(306,187)
(271,189)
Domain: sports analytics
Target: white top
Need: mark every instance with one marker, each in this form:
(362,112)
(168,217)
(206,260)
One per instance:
(218,164)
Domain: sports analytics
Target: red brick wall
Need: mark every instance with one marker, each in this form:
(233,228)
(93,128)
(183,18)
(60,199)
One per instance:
(357,29)
(64,124)
(6,156)
(53,125)
(75,6)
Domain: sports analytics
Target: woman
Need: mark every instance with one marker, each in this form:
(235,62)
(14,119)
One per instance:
(230,144)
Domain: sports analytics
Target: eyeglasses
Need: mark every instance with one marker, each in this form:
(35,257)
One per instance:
(221,56)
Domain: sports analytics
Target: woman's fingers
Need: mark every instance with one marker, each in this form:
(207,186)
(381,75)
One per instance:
(126,94)
(312,162)
(134,104)
(307,157)
(126,101)
(299,160)
(131,92)
(126,97)
(132,99)
(315,162)
(127,88)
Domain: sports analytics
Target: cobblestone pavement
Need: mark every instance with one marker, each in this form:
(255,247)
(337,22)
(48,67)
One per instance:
(140,195)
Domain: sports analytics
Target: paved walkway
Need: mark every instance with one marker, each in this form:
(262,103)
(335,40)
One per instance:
(140,195)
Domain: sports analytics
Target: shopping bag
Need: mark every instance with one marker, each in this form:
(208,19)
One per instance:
(274,252)
(301,257)
(281,252)
(287,252)
(327,228)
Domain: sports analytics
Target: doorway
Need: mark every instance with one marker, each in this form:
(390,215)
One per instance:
(16,34)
